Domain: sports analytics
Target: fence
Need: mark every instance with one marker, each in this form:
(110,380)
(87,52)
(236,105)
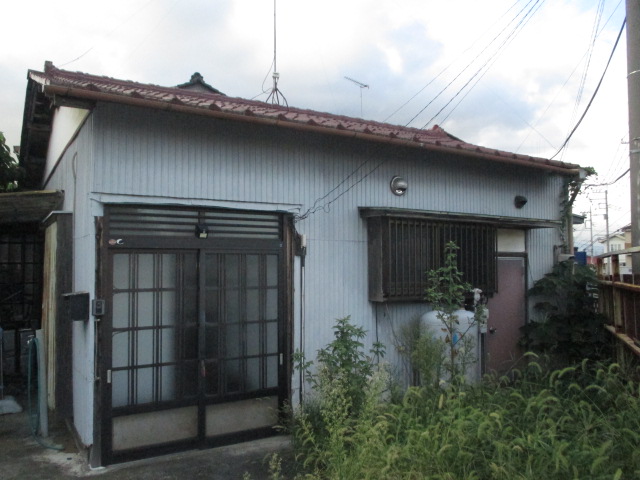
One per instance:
(619,298)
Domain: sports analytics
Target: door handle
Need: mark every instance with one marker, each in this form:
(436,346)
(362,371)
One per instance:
(203,369)
(493,330)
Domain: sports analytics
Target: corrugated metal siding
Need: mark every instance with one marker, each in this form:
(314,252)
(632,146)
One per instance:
(168,155)
(74,175)
(162,154)
(141,154)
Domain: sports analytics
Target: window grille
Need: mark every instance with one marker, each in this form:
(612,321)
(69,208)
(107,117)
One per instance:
(403,249)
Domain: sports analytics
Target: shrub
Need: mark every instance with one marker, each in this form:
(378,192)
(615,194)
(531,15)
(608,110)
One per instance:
(569,327)
(446,293)
(341,383)
(579,422)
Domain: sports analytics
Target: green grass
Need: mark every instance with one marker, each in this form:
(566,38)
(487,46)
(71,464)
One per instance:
(581,422)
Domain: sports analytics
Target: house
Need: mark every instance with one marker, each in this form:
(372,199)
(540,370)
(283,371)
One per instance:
(206,238)
(619,240)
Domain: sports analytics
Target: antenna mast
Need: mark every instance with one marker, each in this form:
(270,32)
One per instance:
(276,95)
(362,86)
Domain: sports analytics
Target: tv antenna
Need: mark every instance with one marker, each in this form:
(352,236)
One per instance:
(275,96)
(362,87)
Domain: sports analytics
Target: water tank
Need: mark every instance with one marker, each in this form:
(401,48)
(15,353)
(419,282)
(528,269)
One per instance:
(465,330)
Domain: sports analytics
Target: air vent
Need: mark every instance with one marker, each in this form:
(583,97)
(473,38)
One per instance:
(138,221)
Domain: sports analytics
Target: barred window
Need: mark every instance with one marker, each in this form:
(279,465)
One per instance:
(403,249)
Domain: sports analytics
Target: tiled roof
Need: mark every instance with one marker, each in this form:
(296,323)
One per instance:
(82,85)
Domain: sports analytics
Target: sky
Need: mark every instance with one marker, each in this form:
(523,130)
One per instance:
(514,75)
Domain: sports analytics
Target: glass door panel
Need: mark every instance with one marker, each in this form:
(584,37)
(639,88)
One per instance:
(194,329)
(154,326)
(241,322)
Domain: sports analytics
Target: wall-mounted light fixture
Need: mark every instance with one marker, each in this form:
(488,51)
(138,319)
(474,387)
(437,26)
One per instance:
(398,185)
(201,230)
(520,201)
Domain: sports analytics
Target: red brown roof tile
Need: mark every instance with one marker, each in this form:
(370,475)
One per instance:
(82,85)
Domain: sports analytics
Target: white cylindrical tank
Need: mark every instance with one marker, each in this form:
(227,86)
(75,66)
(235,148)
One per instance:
(464,333)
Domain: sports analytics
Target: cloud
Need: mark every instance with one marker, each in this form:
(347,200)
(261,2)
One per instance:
(524,102)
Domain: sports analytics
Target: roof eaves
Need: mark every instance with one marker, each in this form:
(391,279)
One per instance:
(61,82)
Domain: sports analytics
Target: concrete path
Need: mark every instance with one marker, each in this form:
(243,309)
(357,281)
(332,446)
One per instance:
(23,458)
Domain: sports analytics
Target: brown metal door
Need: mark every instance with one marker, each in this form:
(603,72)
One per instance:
(507,313)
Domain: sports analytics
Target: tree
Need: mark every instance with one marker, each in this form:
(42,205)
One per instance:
(10,171)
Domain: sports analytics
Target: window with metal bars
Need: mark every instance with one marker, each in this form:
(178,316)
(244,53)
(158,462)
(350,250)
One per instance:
(403,249)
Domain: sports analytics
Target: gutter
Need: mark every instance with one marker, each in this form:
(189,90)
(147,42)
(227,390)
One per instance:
(55,90)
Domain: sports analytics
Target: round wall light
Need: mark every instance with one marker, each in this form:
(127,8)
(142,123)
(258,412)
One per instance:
(398,185)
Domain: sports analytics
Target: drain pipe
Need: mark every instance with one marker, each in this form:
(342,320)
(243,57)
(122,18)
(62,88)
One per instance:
(303,256)
(38,417)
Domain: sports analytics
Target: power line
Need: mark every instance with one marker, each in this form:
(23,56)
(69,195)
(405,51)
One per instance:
(583,78)
(468,65)
(475,42)
(607,184)
(544,113)
(491,58)
(594,93)
(108,35)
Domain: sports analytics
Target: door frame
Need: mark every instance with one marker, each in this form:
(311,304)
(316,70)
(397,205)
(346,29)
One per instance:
(525,260)
(101,451)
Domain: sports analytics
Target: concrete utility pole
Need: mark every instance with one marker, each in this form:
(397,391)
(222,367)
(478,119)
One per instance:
(633,86)
(606,217)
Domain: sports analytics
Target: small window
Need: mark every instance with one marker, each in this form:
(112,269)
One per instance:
(402,250)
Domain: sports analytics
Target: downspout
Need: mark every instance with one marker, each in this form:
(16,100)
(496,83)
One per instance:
(303,256)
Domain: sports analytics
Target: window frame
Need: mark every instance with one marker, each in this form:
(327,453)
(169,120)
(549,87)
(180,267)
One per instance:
(395,238)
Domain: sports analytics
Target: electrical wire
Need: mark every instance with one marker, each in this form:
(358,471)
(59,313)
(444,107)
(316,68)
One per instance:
(491,60)
(469,64)
(475,42)
(583,78)
(109,35)
(615,45)
(619,157)
(325,206)
(544,113)
(610,183)
(603,232)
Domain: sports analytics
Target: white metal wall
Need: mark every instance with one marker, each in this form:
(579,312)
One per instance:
(158,157)
(74,175)
(172,158)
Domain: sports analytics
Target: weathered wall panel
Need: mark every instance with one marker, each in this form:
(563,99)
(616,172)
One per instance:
(74,175)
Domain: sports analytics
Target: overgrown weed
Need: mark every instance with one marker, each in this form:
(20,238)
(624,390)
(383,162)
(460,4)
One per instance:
(581,421)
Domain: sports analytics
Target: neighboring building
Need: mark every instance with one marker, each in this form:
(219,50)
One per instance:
(619,240)
(216,235)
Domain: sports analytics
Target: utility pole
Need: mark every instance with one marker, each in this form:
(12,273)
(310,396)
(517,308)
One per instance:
(606,216)
(591,227)
(633,86)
